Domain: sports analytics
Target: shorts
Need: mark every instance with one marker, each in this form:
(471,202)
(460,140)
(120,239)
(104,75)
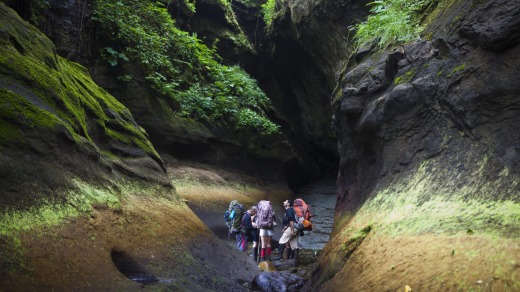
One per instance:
(266,232)
(291,239)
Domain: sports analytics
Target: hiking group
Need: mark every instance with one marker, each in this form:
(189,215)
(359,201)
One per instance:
(257,225)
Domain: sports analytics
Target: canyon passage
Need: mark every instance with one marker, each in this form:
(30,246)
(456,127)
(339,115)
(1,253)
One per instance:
(127,127)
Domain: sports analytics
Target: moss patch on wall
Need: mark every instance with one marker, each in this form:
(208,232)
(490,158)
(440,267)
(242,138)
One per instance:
(433,201)
(40,89)
(81,202)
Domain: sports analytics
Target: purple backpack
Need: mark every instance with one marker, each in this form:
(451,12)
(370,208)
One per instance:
(265,215)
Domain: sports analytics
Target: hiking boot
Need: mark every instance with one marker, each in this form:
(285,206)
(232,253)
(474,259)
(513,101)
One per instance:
(295,254)
(279,257)
(255,254)
(281,248)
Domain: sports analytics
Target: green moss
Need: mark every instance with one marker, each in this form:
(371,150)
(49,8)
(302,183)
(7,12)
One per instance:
(143,144)
(12,106)
(51,214)
(405,78)
(432,201)
(239,38)
(458,68)
(42,90)
(78,202)
(359,235)
(441,8)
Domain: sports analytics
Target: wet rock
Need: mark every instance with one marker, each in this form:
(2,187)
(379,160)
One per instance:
(267,266)
(278,281)
(285,264)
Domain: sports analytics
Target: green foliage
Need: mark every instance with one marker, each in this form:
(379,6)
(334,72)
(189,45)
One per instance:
(112,56)
(271,9)
(190,4)
(390,22)
(179,66)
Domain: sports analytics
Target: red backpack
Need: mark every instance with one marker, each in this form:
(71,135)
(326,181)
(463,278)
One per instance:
(301,209)
(303,214)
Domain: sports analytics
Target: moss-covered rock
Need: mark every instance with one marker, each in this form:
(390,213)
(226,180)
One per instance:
(429,160)
(85,200)
(57,124)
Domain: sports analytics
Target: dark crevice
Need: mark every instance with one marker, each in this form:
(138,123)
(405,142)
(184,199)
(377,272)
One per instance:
(131,268)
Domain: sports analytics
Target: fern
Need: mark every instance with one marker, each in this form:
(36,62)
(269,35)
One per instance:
(390,22)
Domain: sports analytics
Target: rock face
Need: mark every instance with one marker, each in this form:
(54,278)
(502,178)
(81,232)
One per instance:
(321,28)
(57,124)
(429,152)
(449,104)
(276,157)
(298,65)
(297,74)
(216,22)
(85,202)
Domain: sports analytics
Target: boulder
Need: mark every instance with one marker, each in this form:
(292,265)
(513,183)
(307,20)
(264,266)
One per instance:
(278,281)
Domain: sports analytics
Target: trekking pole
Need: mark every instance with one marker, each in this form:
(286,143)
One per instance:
(259,243)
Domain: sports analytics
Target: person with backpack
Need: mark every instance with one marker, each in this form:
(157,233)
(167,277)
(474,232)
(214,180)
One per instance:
(290,234)
(265,220)
(234,218)
(303,214)
(251,230)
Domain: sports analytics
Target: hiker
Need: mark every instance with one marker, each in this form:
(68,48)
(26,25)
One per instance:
(290,234)
(265,220)
(251,229)
(234,218)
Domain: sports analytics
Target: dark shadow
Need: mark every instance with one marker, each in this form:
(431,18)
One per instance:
(131,268)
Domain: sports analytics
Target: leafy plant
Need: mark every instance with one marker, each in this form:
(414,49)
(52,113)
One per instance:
(112,56)
(390,22)
(179,66)
(270,10)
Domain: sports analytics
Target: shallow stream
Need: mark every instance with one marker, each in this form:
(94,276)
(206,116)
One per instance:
(319,195)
